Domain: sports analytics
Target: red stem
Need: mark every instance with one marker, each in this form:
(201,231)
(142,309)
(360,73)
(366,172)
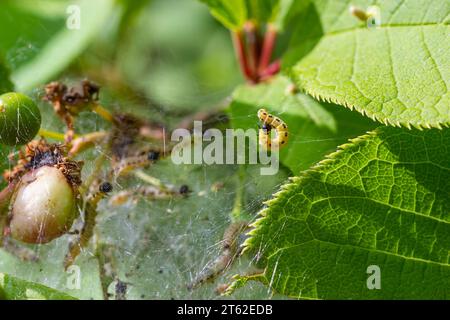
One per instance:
(254,47)
(270,38)
(271,70)
(241,54)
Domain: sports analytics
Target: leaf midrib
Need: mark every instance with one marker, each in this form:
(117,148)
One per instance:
(382,203)
(361,248)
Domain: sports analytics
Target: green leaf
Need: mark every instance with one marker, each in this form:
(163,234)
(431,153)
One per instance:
(5,83)
(65,45)
(231,13)
(315,128)
(49,270)
(380,200)
(130,11)
(12,288)
(277,12)
(263,10)
(397,74)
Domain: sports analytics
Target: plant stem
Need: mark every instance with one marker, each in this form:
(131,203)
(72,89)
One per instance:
(241,54)
(51,135)
(102,112)
(87,141)
(5,197)
(238,214)
(267,49)
(105,279)
(253,46)
(95,173)
(271,70)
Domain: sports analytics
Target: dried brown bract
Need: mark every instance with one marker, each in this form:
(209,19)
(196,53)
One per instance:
(68,102)
(39,153)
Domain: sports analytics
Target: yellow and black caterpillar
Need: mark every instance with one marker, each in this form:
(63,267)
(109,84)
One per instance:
(271,122)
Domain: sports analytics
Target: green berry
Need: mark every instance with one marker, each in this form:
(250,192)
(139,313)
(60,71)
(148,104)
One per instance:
(20,119)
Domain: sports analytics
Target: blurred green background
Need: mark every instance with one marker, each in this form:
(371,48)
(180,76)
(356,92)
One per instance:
(163,52)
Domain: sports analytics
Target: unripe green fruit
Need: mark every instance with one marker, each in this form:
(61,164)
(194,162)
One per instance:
(43,206)
(20,119)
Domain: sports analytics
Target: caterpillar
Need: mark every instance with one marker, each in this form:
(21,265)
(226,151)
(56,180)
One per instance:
(129,163)
(231,249)
(271,122)
(149,193)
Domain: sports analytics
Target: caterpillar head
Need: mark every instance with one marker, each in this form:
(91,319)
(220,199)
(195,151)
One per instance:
(262,114)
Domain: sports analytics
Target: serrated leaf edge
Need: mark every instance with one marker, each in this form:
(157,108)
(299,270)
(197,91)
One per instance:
(386,121)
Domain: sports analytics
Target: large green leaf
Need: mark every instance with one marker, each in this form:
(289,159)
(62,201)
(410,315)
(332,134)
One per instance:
(315,128)
(397,73)
(381,200)
(12,288)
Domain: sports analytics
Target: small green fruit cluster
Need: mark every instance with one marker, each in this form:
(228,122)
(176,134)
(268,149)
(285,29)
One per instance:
(20,119)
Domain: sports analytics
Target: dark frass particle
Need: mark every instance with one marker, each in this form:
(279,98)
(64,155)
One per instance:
(20,119)
(184,189)
(106,187)
(153,155)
